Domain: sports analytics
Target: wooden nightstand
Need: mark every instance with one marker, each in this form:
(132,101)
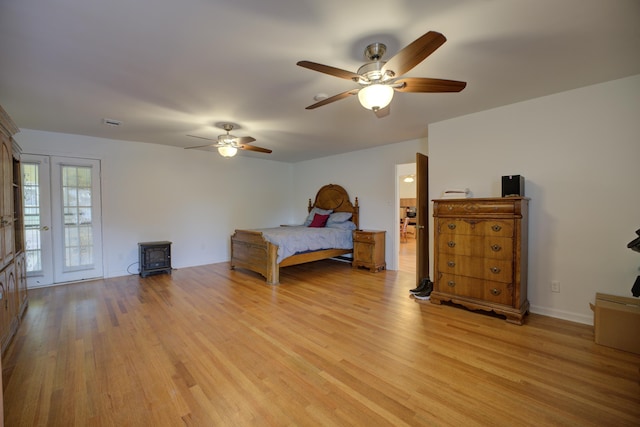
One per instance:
(368,249)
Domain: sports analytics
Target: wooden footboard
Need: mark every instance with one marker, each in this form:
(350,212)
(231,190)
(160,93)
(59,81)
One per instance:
(251,251)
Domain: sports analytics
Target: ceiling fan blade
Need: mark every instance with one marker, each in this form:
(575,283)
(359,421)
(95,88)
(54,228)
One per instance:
(333,99)
(332,71)
(414,53)
(423,84)
(200,146)
(254,148)
(243,140)
(383,112)
(202,137)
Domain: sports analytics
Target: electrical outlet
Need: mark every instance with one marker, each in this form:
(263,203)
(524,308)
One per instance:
(555,286)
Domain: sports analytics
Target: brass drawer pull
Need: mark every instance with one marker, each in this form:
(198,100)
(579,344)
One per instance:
(495,292)
(496,248)
(451,243)
(451,264)
(451,226)
(495,270)
(451,283)
(496,228)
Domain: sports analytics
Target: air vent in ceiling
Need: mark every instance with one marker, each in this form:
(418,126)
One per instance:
(112,122)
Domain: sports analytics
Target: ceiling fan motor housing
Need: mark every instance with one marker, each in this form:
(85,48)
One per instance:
(374,51)
(371,72)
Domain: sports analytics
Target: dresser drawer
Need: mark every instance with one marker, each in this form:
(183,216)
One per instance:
(475,227)
(480,246)
(462,207)
(486,290)
(482,268)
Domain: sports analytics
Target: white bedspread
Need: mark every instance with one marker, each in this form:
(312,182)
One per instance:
(292,240)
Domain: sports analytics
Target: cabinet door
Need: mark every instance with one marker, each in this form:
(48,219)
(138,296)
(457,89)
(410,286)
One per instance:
(5,319)
(8,302)
(363,252)
(6,198)
(21,282)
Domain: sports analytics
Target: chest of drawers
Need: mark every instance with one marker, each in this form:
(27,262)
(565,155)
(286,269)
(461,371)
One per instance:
(480,254)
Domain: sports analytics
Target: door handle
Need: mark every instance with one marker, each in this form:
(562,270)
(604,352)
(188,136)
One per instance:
(419,226)
(45,228)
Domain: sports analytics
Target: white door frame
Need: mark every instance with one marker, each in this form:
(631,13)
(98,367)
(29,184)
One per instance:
(75,260)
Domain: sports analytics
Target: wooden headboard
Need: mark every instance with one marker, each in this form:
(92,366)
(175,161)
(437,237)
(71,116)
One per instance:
(336,198)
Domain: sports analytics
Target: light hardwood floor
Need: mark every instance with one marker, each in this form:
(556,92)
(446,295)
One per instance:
(407,258)
(330,346)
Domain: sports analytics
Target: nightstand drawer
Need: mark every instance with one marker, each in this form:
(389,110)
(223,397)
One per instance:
(363,236)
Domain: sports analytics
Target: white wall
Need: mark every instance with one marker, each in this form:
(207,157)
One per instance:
(369,175)
(579,152)
(192,198)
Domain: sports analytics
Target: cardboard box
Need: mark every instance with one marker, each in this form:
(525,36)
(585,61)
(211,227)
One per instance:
(617,322)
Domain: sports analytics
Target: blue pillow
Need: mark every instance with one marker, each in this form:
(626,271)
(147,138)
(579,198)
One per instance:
(313,213)
(338,217)
(346,225)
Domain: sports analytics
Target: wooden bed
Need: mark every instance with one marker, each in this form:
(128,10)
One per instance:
(250,250)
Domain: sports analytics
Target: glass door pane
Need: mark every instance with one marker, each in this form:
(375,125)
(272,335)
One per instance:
(76,219)
(77,205)
(32,224)
(37,219)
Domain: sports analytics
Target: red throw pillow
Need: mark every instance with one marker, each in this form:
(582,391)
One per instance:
(319,221)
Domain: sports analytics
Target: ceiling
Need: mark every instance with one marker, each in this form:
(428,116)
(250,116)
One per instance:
(169,68)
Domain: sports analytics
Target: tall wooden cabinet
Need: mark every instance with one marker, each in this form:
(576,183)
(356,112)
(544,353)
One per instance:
(13,283)
(480,254)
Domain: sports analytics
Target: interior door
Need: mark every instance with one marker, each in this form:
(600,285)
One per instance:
(423,220)
(62,219)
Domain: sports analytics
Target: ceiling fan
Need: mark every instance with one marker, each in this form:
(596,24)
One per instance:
(379,79)
(228,145)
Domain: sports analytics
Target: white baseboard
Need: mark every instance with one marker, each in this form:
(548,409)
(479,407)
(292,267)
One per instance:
(560,314)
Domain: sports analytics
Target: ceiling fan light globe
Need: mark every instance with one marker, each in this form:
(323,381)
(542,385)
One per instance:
(227,151)
(375,96)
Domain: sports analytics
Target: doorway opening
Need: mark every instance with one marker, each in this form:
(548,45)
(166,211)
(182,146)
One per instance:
(407,218)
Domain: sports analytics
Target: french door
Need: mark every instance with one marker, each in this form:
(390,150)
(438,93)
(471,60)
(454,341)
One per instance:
(62,213)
